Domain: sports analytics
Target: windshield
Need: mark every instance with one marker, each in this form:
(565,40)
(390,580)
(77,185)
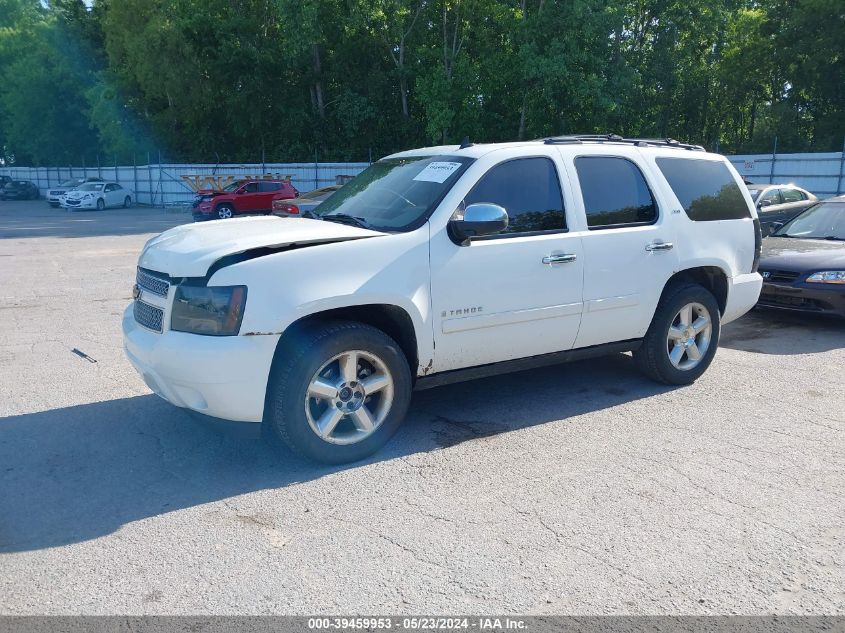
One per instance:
(396,194)
(90,186)
(70,183)
(825,220)
(233,185)
(755,193)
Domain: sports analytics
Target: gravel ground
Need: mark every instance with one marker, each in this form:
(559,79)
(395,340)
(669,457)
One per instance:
(578,489)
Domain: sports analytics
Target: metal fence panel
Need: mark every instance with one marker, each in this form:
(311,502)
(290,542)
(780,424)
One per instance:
(820,173)
(175,184)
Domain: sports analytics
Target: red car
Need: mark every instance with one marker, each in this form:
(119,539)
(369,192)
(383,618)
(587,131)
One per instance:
(241,197)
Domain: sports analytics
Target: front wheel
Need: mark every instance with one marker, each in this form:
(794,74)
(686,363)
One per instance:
(101,204)
(683,336)
(224,212)
(338,391)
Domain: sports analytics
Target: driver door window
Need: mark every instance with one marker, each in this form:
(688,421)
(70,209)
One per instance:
(529,190)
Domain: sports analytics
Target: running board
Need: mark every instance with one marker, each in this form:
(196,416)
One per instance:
(521,364)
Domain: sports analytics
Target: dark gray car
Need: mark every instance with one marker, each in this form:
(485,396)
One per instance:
(779,203)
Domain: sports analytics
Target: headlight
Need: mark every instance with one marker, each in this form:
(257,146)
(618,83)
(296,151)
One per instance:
(87,195)
(827,277)
(214,311)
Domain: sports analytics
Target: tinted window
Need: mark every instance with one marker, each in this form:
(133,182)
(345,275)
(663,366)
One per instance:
(706,189)
(269,186)
(615,192)
(792,195)
(528,189)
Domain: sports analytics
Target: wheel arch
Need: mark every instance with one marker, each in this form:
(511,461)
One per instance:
(393,320)
(714,278)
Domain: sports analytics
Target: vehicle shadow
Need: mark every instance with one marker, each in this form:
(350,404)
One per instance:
(77,473)
(37,219)
(772,332)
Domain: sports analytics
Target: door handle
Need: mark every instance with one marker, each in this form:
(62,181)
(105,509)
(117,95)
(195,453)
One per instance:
(660,246)
(563,258)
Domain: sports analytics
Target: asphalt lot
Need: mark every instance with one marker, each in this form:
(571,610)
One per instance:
(578,489)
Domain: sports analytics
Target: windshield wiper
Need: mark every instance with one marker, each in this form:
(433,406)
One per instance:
(834,238)
(344,218)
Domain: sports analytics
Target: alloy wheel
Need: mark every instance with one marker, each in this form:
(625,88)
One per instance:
(689,336)
(349,397)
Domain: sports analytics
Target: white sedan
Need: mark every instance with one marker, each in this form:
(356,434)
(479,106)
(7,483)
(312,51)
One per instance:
(98,195)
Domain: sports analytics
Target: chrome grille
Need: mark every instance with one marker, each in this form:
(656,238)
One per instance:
(152,284)
(148,316)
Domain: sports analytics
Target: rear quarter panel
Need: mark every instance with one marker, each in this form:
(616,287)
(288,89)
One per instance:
(726,244)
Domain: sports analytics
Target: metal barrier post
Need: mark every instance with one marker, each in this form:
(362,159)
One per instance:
(774,158)
(841,168)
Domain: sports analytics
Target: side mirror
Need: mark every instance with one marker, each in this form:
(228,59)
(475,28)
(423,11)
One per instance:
(775,226)
(240,191)
(477,220)
(764,203)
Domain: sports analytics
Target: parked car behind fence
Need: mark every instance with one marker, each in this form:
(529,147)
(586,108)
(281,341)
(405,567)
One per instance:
(55,194)
(98,195)
(19,190)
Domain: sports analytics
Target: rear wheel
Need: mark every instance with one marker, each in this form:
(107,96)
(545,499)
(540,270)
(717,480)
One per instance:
(127,202)
(224,212)
(338,391)
(682,339)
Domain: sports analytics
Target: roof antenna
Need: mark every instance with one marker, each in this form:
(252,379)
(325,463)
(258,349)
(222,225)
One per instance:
(466,143)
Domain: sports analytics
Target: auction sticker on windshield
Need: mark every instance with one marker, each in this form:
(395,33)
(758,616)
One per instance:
(437,171)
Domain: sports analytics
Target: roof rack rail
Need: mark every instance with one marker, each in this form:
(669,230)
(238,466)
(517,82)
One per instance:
(577,139)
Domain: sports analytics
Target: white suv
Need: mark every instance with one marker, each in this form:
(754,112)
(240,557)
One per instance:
(445,264)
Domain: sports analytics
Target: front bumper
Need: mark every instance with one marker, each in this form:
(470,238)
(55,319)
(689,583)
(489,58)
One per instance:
(82,204)
(220,376)
(824,299)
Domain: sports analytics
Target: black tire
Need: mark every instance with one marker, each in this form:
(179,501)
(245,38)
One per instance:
(652,358)
(298,359)
(225,211)
(101,204)
(127,202)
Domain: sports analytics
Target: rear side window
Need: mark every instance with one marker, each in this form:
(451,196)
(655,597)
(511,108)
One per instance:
(269,186)
(772,196)
(615,192)
(792,195)
(528,189)
(706,189)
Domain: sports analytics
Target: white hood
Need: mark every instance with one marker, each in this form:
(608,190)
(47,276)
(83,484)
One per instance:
(190,250)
